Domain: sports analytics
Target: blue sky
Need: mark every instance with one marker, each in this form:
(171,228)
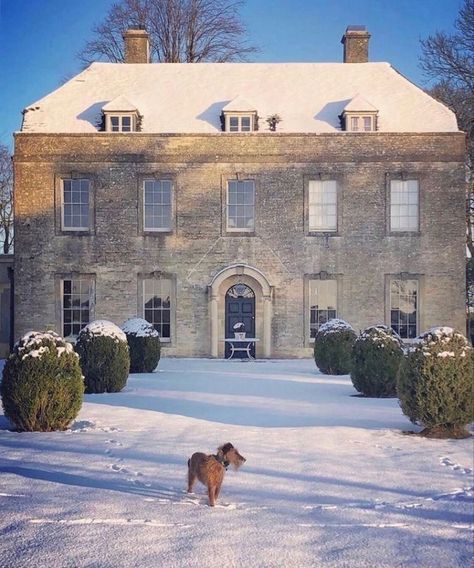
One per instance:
(39,39)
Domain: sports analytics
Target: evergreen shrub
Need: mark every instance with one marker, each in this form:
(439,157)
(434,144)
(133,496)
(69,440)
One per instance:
(436,383)
(376,357)
(332,347)
(104,356)
(42,386)
(144,344)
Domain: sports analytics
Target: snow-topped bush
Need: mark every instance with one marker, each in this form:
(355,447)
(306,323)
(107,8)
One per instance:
(376,357)
(104,356)
(436,383)
(144,343)
(42,386)
(333,346)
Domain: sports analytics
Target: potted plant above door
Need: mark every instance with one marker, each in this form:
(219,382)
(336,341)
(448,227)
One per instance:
(239,330)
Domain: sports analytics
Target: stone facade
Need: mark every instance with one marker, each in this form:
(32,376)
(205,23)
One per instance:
(277,260)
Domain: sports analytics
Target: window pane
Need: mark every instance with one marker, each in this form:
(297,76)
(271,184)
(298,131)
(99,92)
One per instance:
(75,206)
(157,204)
(404,212)
(233,124)
(76,299)
(157,304)
(245,124)
(322,201)
(367,123)
(114,123)
(126,123)
(241,205)
(322,303)
(403,307)
(354,123)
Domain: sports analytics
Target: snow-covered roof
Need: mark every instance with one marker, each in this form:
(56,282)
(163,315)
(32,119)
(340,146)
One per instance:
(359,104)
(190,97)
(239,104)
(119,104)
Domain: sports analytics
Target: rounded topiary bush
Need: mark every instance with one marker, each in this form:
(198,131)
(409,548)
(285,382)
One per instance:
(376,357)
(42,386)
(436,383)
(104,357)
(332,347)
(144,344)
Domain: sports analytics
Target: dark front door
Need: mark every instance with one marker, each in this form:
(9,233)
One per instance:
(239,308)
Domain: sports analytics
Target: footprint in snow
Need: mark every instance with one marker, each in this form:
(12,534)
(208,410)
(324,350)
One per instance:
(455,466)
(462,494)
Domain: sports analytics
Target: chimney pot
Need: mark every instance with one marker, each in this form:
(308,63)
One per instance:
(137,46)
(356,44)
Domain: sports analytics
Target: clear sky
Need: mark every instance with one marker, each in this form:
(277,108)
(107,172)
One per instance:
(39,39)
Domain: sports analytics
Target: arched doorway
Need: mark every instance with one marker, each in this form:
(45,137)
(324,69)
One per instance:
(220,284)
(239,308)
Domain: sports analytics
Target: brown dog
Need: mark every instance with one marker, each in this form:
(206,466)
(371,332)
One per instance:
(210,469)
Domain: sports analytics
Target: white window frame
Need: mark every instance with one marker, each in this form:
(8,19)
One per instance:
(245,182)
(404,196)
(396,327)
(169,226)
(80,227)
(120,116)
(157,281)
(239,118)
(82,280)
(360,122)
(322,204)
(330,284)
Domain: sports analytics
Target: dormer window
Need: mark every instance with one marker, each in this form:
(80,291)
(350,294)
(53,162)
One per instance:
(239,123)
(239,116)
(362,123)
(120,116)
(359,116)
(120,123)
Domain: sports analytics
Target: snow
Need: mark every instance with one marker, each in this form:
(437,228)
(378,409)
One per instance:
(330,480)
(334,326)
(359,104)
(25,346)
(105,328)
(309,97)
(139,327)
(119,104)
(380,334)
(437,336)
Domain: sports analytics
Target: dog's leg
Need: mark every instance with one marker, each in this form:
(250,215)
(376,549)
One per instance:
(191,480)
(217,490)
(211,491)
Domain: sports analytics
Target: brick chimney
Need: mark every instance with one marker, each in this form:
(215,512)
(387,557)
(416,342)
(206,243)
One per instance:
(137,46)
(356,44)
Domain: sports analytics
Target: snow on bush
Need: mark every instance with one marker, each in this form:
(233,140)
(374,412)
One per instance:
(376,357)
(333,346)
(436,383)
(144,344)
(104,356)
(42,386)
(105,328)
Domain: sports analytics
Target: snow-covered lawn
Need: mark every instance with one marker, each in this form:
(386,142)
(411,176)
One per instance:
(330,480)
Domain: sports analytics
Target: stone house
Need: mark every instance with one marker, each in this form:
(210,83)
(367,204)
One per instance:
(203,195)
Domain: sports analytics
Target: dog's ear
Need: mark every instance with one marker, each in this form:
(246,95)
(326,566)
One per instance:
(226,448)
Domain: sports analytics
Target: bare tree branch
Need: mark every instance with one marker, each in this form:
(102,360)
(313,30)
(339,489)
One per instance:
(6,201)
(188,31)
(449,59)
